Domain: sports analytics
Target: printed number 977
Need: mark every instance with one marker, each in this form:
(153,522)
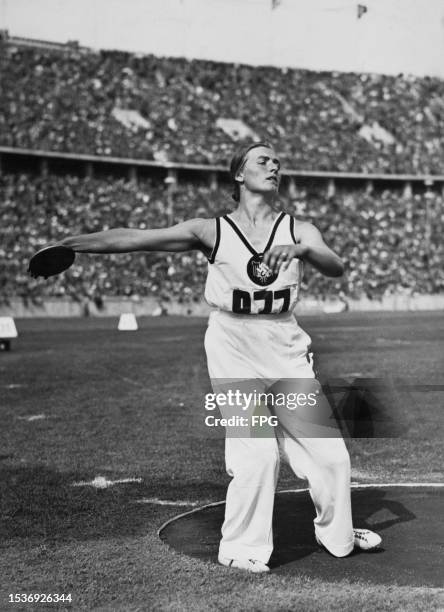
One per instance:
(242,300)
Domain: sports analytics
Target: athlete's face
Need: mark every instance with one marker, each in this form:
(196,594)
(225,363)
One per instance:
(260,172)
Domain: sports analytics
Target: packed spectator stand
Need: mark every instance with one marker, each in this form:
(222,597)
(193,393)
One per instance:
(144,107)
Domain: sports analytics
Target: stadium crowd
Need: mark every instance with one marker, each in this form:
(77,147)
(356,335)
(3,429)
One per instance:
(165,109)
(390,243)
(318,121)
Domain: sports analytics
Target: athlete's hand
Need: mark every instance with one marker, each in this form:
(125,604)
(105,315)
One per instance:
(280,257)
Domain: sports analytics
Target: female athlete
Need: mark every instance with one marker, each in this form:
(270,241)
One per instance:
(253,340)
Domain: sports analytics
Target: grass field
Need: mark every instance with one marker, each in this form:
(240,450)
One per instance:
(80,399)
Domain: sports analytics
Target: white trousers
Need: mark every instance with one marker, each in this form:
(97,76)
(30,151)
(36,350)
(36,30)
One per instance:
(259,351)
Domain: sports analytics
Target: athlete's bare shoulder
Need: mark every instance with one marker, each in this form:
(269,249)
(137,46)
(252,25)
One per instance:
(304,229)
(205,232)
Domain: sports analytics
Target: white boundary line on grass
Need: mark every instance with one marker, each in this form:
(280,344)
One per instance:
(370,485)
(179,516)
(164,502)
(32,417)
(304,490)
(100,482)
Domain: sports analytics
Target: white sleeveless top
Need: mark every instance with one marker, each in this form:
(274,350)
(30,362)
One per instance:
(237,279)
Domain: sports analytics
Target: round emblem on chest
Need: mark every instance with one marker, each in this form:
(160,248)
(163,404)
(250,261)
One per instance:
(259,272)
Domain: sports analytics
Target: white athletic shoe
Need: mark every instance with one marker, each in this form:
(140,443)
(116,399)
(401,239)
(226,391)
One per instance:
(250,565)
(366,539)
(363,539)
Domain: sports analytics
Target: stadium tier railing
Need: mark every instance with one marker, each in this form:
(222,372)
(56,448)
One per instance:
(131,163)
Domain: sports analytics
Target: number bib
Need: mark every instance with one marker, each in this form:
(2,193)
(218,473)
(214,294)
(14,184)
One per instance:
(263,301)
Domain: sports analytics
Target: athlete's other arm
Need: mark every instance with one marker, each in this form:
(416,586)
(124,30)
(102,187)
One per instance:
(193,234)
(310,247)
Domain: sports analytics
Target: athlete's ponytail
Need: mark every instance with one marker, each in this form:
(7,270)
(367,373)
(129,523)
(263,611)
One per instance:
(238,161)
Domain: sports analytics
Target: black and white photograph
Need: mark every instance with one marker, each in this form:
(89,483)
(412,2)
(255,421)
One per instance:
(221,305)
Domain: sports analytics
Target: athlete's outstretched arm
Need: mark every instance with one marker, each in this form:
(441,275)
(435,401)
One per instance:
(189,235)
(310,247)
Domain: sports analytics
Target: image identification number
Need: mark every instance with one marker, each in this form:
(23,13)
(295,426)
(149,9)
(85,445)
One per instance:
(40,597)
